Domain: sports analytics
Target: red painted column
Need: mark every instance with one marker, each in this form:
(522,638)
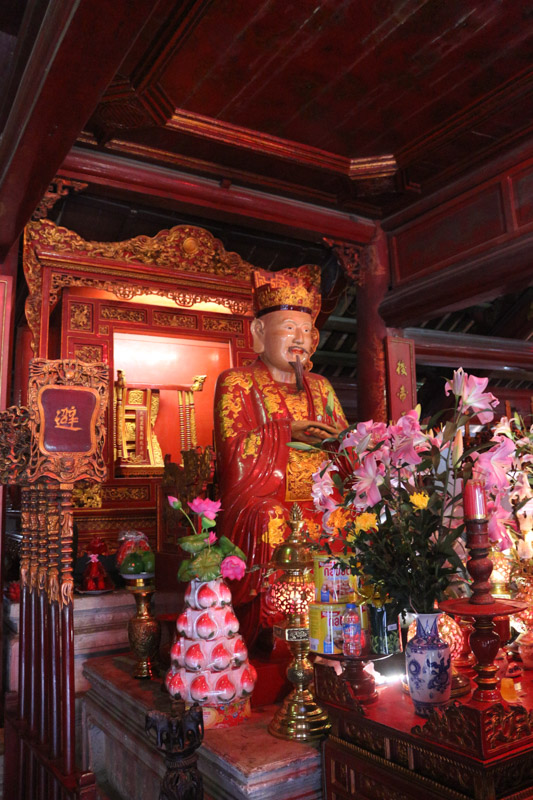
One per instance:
(371,330)
(8,272)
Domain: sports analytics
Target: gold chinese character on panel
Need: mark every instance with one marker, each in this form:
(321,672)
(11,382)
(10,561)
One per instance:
(66,419)
(401,369)
(401,393)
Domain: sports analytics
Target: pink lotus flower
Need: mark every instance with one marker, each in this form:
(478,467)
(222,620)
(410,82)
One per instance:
(211,539)
(233,568)
(208,508)
(471,391)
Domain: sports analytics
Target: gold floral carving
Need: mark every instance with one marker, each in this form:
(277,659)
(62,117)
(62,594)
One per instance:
(216,324)
(168,319)
(14,444)
(87,495)
(123,314)
(121,493)
(89,353)
(184,247)
(103,330)
(116,524)
(349,258)
(135,397)
(299,476)
(57,189)
(81,317)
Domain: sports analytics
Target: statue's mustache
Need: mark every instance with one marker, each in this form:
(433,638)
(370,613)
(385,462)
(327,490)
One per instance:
(298,369)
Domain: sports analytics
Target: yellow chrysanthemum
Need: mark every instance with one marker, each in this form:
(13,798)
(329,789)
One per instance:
(313,528)
(339,518)
(419,500)
(366,522)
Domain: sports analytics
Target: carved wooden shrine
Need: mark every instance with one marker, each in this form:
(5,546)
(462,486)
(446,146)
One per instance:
(179,295)
(46,447)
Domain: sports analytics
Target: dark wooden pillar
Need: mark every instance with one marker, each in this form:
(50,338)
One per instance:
(371,330)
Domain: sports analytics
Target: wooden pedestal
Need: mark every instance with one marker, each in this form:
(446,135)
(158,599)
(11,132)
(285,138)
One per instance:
(383,751)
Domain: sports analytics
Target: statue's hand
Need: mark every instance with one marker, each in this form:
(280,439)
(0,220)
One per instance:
(311,431)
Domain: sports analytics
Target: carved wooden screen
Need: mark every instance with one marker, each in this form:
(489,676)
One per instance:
(97,287)
(46,447)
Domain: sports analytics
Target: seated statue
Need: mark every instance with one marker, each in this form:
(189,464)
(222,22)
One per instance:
(259,409)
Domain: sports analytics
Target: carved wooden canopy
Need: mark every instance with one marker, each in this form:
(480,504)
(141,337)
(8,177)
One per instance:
(186,264)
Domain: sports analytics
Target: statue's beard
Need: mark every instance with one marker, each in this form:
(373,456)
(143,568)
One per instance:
(299,372)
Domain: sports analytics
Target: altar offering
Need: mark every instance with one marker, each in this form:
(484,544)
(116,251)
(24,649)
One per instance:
(333,582)
(325,627)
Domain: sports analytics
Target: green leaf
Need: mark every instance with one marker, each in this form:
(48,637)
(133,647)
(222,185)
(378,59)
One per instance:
(226,545)
(208,523)
(302,446)
(193,544)
(330,404)
(206,565)
(449,432)
(238,552)
(185,571)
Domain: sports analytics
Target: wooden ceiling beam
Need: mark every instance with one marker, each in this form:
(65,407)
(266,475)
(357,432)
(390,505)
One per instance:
(444,349)
(180,191)
(465,283)
(77,51)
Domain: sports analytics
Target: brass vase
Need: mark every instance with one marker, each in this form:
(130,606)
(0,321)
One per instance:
(144,630)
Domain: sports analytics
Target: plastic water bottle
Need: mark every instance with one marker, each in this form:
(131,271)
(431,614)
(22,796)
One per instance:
(351,631)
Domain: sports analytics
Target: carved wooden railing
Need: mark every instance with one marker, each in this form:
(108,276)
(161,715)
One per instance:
(45,448)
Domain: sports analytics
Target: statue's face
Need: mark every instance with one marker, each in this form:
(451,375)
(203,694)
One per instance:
(281,336)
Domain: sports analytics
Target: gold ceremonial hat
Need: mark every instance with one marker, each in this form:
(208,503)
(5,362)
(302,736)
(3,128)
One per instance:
(295,289)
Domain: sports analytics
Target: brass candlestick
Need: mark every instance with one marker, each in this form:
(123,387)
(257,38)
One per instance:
(144,630)
(300,717)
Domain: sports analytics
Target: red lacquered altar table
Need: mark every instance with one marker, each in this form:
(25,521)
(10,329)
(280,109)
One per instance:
(384,751)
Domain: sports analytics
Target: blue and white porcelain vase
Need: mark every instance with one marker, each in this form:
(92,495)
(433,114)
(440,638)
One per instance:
(429,666)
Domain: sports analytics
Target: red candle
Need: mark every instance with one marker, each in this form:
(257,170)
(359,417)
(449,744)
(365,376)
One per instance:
(474,503)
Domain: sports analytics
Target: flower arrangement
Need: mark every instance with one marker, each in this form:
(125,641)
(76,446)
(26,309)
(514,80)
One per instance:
(392,498)
(212,556)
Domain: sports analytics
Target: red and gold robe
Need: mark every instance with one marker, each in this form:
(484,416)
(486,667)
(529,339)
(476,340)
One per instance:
(259,475)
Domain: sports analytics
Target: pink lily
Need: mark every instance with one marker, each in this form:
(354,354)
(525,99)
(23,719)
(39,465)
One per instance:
(323,487)
(498,516)
(494,464)
(368,477)
(471,391)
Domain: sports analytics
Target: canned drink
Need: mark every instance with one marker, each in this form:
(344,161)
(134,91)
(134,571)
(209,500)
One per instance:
(325,627)
(333,583)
